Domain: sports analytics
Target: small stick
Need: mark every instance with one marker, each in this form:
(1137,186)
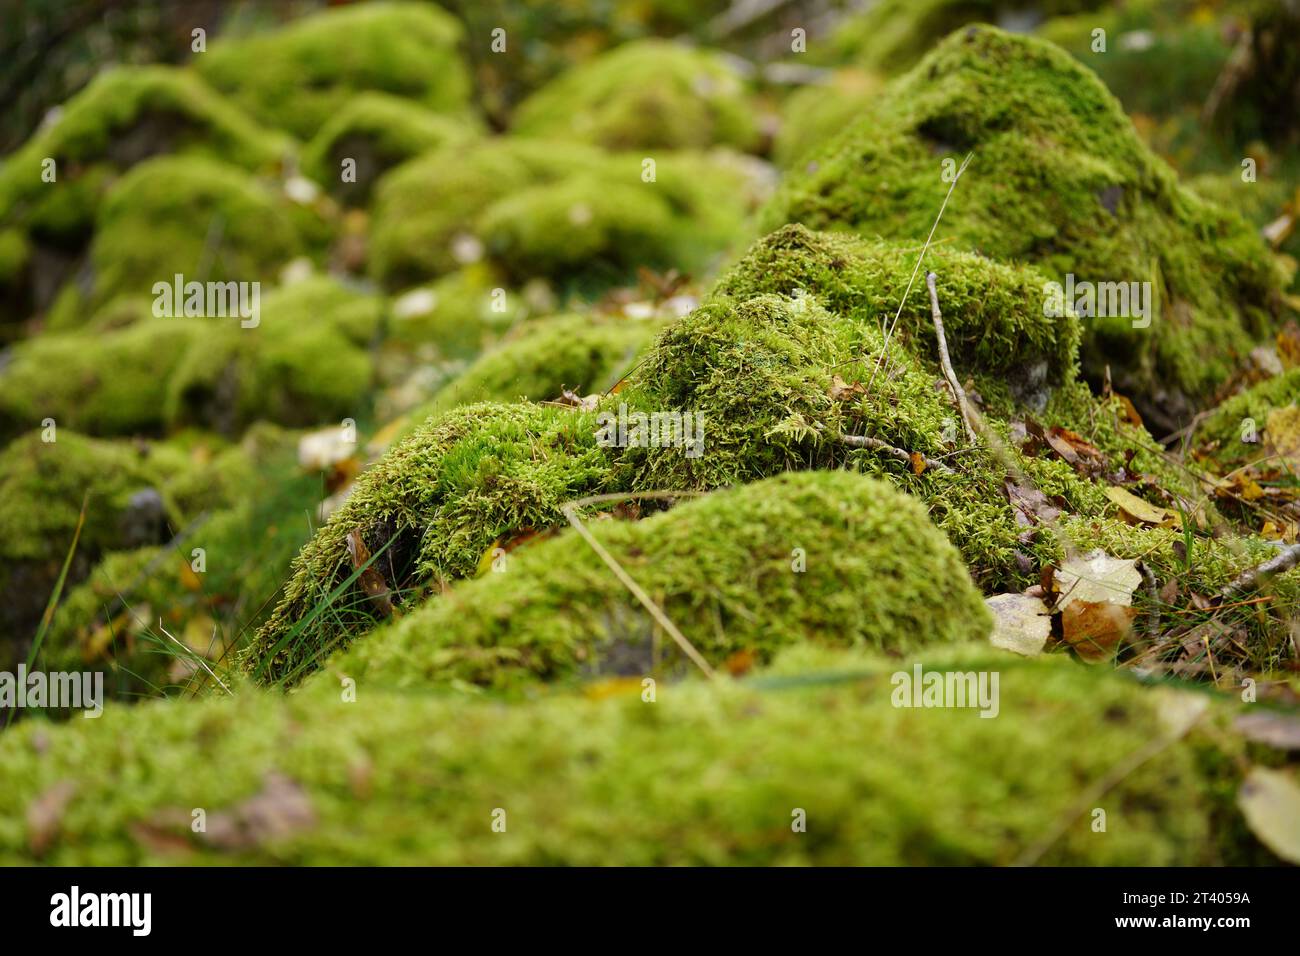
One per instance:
(1256,576)
(570,512)
(946,361)
(864,441)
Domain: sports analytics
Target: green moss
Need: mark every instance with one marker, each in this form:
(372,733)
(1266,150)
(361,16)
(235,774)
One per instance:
(307,362)
(1235,433)
(992,313)
(124,115)
(648,94)
(107,382)
(200,218)
(579,226)
(1059,179)
(508,200)
(825,557)
(376,131)
(43,485)
(705,775)
(582,353)
(428,510)
(299,76)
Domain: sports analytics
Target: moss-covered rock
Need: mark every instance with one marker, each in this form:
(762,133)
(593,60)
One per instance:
(307,362)
(43,485)
(298,77)
(821,557)
(561,211)
(707,774)
(123,116)
(429,510)
(649,94)
(1059,179)
(107,382)
(202,219)
(377,131)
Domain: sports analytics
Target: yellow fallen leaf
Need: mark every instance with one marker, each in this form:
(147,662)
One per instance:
(1270,802)
(1135,510)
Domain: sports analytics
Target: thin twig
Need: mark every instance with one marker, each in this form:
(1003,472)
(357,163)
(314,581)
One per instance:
(570,512)
(865,441)
(958,394)
(1284,561)
(889,332)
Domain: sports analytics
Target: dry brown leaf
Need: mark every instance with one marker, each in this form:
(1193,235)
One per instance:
(280,809)
(842,391)
(918,462)
(371,581)
(45,816)
(741,662)
(1288,345)
(1272,728)
(1095,628)
(1097,577)
(1031,505)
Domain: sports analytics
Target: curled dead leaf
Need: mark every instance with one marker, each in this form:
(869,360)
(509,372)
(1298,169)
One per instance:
(371,581)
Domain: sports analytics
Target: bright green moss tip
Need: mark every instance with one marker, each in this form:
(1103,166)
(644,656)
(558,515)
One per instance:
(706,774)
(429,509)
(298,77)
(648,94)
(826,557)
(1058,179)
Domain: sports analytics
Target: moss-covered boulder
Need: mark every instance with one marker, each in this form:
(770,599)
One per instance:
(298,77)
(43,485)
(556,210)
(1059,179)
(307,362)
(822,557)
(202,219)
(376,131)
(107,382)
(649,94)
(705,774)
(429,510)
(123,116)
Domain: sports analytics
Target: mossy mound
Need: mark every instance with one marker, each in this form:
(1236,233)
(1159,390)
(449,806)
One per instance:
(822,557)
(307,362)
(992,313)
(202,219)
(555,210)
(43,485)
(107,382)
(583,353)
(123,116)
(428,510)
(377,131)
(298,77)
(703,775)
(648,94)
(1061,180)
